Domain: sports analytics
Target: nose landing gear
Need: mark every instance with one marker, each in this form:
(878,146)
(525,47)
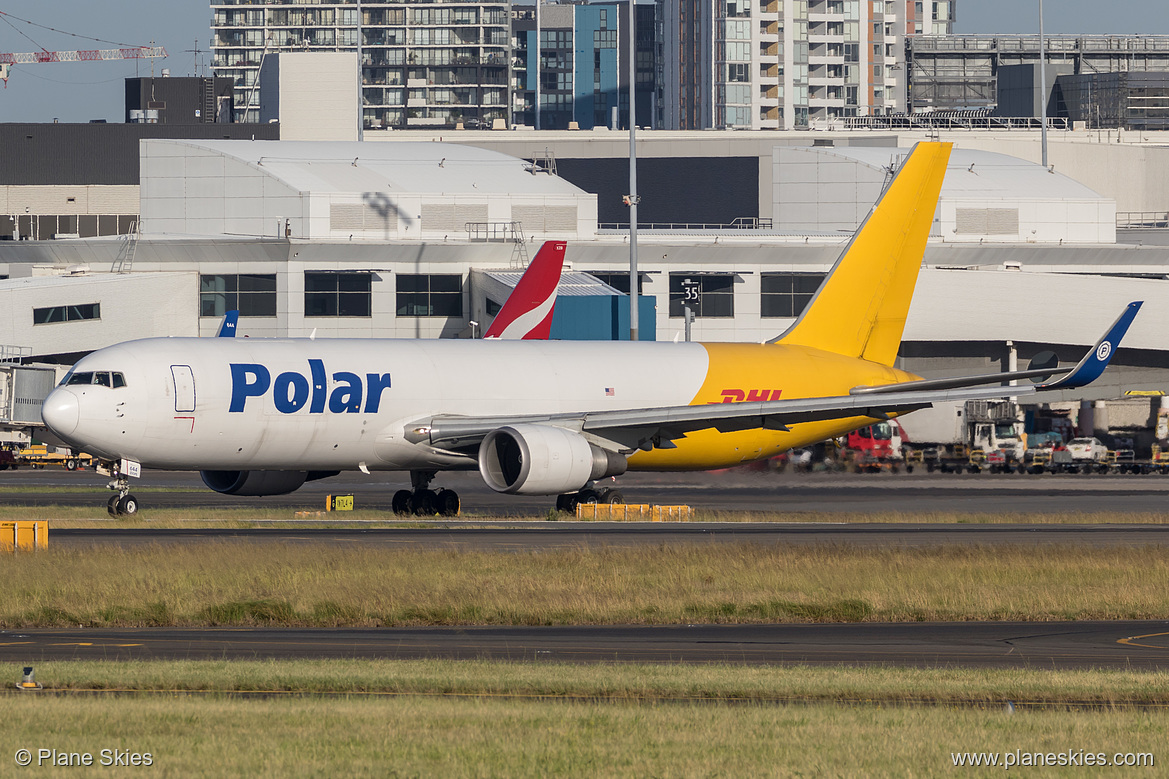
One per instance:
(123,504)
(423,501)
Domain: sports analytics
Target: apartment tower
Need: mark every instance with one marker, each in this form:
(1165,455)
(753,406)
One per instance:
(789,64)
(424,63)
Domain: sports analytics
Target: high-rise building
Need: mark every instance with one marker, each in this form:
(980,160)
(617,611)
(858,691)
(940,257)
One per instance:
(424,63)
(787,64)
(583,68)
(962,71)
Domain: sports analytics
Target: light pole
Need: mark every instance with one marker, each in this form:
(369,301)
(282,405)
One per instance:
(1043,86)
(539,48)
(633,198)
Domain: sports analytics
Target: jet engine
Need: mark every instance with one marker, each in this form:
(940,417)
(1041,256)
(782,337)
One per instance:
(257,483)
(543,460)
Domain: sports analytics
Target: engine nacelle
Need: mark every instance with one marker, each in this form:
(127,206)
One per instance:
(257,483)
(543,460)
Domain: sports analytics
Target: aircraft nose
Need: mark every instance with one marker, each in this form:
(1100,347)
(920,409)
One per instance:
(61,412)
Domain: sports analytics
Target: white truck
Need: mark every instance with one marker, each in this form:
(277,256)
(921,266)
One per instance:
(973,436)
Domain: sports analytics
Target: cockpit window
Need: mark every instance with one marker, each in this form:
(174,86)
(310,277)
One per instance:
(98,378)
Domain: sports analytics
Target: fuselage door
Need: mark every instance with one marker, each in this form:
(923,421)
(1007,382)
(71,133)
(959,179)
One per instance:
(184,388)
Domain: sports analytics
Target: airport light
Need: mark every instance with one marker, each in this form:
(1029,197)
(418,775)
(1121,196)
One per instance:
(1043,87)
(633,198)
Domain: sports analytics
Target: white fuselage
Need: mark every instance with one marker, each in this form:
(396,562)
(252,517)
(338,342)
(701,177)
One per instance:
(299,404)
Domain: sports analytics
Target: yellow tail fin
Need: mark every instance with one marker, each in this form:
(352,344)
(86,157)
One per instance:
(860,309)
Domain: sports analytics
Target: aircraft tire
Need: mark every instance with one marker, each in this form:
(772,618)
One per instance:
(566,503)
(423,503)
(401,502)
(587,496)
(112,506)
(447,502)
(70,464)
(613,497)
(127,506)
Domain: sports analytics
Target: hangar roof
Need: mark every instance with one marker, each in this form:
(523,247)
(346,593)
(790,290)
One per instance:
(405,167)
(982,174)
(572,283)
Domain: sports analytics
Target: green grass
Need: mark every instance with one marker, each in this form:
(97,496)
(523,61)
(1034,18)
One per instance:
(633,682)
(268,583)
(429,736)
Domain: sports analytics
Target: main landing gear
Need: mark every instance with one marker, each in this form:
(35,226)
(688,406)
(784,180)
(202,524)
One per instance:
(589,494)
(123,504)
(423,501)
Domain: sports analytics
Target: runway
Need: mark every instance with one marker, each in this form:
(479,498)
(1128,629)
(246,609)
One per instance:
(1143,645)
(737,490)
(543,536)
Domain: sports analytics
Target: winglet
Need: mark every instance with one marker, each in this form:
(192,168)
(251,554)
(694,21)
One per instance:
(227,327)
(1096,360)
(527,314)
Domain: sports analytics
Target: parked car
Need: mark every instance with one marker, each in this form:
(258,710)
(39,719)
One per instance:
(1087,450)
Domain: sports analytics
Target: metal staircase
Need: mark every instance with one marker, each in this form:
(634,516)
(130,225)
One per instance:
(209,103)
(519,247)
(125,259)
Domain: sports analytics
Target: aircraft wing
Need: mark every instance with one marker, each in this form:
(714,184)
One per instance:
(645,428)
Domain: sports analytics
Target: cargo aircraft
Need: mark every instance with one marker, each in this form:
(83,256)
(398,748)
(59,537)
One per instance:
(263,416)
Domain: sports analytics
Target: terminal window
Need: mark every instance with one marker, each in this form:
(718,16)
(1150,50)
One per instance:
(252,294)
(787,294)
(709,295)
(434,294)
(45,316)
(619,281)
(345,294)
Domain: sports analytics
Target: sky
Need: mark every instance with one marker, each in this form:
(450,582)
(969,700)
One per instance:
(78,92)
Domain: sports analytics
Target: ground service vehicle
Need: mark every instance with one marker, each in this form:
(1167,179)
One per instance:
(42,456)
(1087,449)
(875,448)
(969,437)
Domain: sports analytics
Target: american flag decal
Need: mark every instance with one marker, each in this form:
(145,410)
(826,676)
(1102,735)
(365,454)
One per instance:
(610,392)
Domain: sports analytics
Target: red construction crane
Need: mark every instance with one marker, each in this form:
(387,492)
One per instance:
(34,57)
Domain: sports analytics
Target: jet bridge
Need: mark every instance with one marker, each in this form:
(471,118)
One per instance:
(22,390)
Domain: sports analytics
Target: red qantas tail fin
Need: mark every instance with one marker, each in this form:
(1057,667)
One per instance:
(527,314)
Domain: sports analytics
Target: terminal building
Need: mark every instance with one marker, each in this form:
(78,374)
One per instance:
(414,238)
